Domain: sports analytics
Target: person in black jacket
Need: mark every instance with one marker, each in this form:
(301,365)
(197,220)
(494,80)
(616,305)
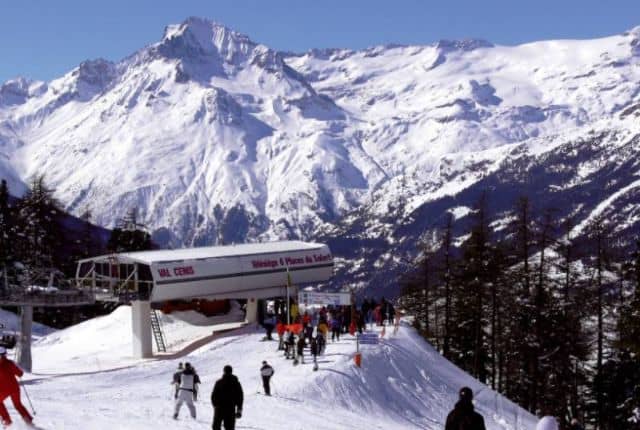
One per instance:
(463,417)
(226,398)
(300,349)
(266,371)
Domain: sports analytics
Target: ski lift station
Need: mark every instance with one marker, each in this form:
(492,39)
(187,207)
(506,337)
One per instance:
(248,271)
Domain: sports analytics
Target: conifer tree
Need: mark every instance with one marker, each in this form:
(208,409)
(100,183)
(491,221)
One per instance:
(129,235)
(472,286)
(6,245)
(39,230)
(447,277)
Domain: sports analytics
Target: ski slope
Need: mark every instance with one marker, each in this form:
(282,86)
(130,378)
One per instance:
(84,378)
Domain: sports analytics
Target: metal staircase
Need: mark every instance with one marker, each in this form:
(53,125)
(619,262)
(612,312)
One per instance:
(157,331)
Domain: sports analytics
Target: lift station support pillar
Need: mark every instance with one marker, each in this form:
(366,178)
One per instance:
(141,329)
(23,352)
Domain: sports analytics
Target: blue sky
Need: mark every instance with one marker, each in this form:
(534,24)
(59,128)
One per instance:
(43,39)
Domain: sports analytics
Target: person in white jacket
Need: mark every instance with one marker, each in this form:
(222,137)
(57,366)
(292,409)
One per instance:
(187,390)
(547,423)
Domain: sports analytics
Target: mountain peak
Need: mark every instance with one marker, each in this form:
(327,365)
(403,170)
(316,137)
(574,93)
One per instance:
(98,72)
(463,45)
(197,37)
(17,91)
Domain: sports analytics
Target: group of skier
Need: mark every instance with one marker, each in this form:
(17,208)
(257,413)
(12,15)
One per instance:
(227,396)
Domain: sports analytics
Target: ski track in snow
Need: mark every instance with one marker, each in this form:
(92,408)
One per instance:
(403,383)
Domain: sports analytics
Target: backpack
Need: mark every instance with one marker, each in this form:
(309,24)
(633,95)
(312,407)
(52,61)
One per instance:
(187,381)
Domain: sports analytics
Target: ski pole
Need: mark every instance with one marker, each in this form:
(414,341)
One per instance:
(24,387)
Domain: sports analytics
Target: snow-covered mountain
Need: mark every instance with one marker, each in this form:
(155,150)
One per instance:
(85,378)
(216,138)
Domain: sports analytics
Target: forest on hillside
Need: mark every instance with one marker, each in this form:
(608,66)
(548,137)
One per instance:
(551,321)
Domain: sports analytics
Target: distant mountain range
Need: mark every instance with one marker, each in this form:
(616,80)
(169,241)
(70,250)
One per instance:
(218,139)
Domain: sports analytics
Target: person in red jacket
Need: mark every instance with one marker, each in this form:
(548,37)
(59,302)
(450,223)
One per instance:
(9,388)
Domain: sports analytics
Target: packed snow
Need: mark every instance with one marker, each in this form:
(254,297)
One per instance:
(85,378)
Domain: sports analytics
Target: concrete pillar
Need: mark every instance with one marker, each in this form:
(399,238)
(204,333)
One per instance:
(141,329)
(23,351)
(252,310)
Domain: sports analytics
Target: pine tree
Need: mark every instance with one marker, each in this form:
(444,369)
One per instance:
(599,232)
(447,276)
(520,372)
(5,237)
(472,286)
(39,231)
(570,336)
(129,235)
(620,383)
(543,316)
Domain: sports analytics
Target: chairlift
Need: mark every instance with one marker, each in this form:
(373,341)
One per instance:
(7,339)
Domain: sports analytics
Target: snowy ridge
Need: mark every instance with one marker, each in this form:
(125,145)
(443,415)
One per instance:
(403,384)
(216,138)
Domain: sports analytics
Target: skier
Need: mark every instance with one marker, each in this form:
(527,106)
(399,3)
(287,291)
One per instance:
(280,328)
(463,417)
(390,313)
(323,328)
(314,352)
(289,345)
(547,423)
(300,345)
(336,324)
(267,372)
(187,391)
(575,425)
(226,399)
(269,323)
(176,379)
(308,332)
(9,388)
(306,319)
(320,339)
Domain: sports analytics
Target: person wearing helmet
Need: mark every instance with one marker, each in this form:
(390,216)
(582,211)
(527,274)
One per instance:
(9,387)
(463,417)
